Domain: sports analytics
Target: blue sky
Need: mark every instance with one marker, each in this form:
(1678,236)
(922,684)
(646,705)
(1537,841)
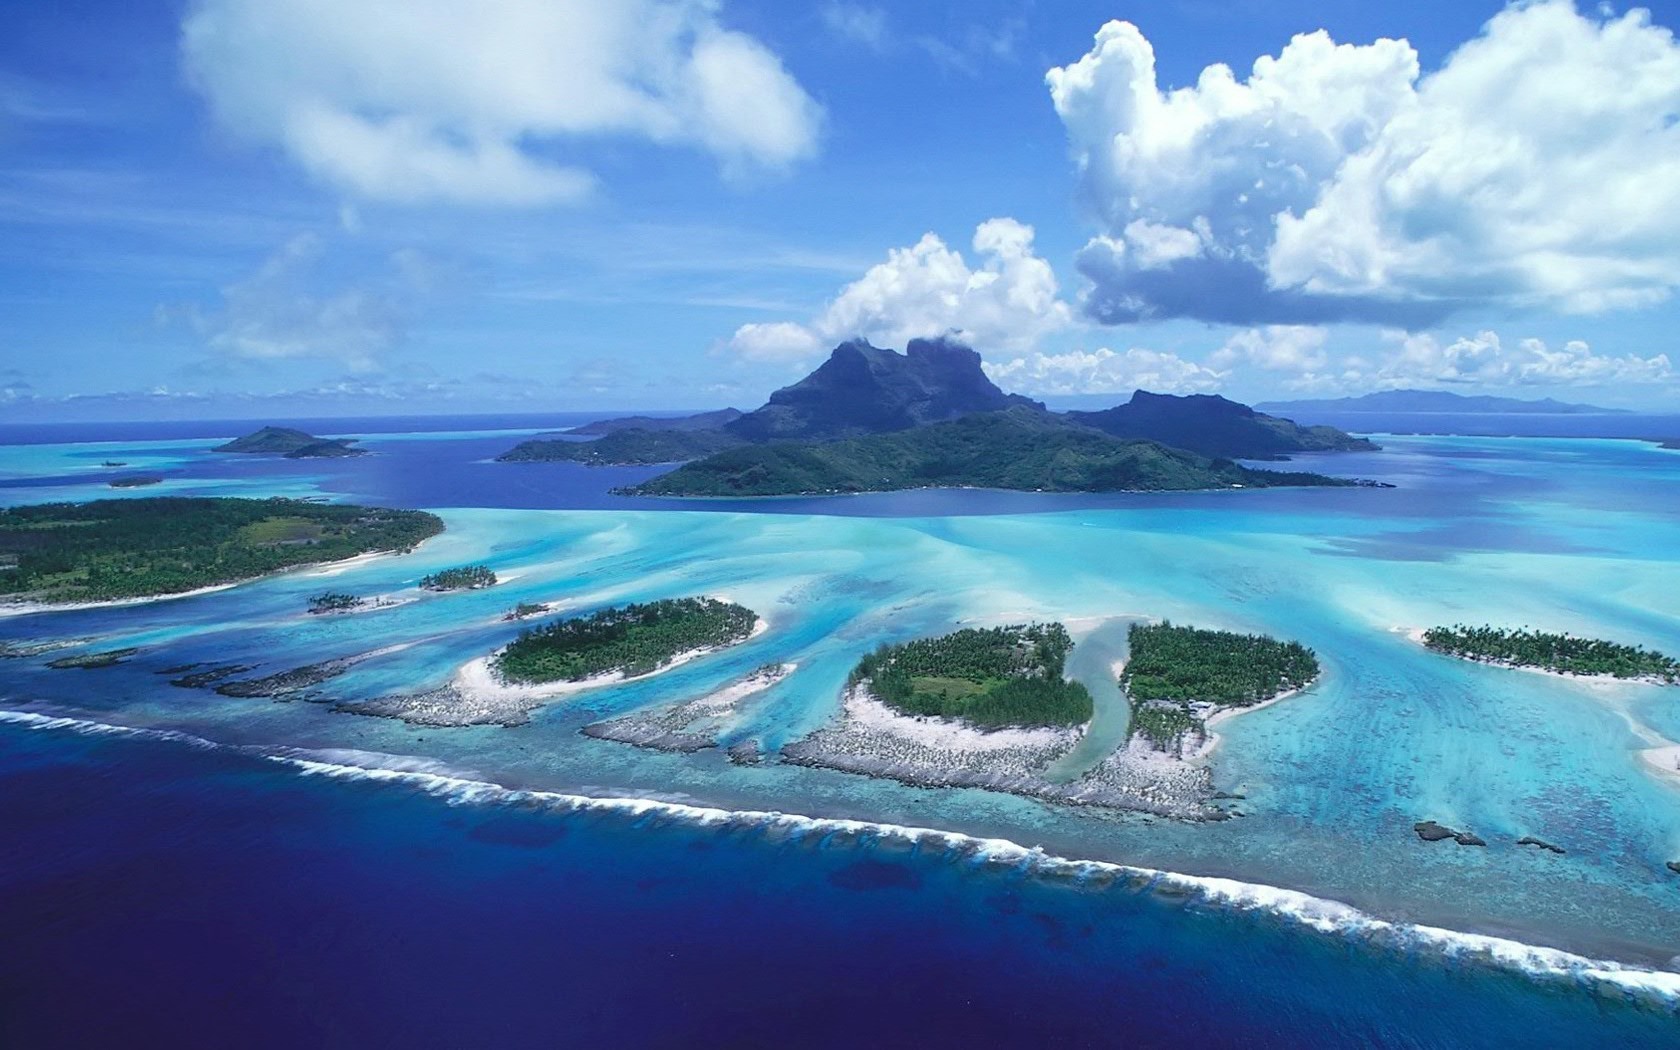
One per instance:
(240,207)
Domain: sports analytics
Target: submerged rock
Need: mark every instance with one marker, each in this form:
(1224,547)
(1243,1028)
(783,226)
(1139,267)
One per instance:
(1530,840)
(88,661)
(1430,831)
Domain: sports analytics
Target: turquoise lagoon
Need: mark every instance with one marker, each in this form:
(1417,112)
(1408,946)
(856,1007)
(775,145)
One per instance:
(1566,534)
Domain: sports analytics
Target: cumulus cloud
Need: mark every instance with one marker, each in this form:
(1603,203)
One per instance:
(1486,360)
(1540,165)
(1104,371)
(280,311)
(1006,302)
(427,100)
(1275,348)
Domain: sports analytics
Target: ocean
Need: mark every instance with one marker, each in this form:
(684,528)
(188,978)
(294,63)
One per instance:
(183,868)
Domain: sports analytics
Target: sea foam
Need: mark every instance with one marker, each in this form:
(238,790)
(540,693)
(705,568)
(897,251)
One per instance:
(1634,984)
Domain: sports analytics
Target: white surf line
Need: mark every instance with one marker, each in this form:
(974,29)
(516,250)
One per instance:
(1328,917)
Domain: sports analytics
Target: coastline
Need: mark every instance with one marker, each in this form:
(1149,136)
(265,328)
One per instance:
(1416,634)
(331,568)
(477,695)
(1642,983)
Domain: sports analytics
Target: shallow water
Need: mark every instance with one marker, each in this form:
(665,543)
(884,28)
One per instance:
(1579,534)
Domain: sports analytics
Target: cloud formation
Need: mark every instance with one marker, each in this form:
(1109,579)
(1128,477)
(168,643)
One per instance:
(1484,359)
(1006,302)
(1104,371)
(1540,166)
(432,100)
(279,312)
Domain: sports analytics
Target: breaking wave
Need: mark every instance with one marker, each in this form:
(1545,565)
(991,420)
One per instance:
(1636,984)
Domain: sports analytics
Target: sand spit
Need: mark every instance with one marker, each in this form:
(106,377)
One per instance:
(871,739)
(691,726)
(477,695)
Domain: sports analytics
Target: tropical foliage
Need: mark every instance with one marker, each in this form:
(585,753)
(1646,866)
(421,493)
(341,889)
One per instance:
(989,677)
(623,447)
(631,640)
(1018,448)
(335,601)
(1171,668)
(130,548)
(460,578)
(1563,653)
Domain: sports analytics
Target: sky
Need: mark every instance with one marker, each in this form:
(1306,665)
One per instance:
(232,208)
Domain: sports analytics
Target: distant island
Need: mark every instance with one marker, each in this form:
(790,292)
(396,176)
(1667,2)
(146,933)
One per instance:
(1177,676)
(136,482)
(870,419)
(1020,448)
(1436,401)
(629,641)
(698,421)
(1213,426)
(630,447)
(292,444)
(1558,653)
(118,549)
(987,677)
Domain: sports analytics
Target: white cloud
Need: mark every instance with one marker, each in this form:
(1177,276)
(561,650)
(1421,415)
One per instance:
(1104,371)
(1485,360)
(424,100)
(279,312)
(1275,348)
(857,23)
(1539,166)
(1006,303)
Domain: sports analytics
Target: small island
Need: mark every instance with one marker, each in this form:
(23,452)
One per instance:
(990,678)
(460,578)
(603,647)
(135,482)
(629,641)
(128,549)
(1558,653)
(292,444)
(335,601)
(1179,679)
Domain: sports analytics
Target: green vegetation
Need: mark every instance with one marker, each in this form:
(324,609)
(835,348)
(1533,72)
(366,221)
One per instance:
(1018,448)
(136,548)
(293,444)
(335,601)
(624,448)
(526,609)
(1562,653)
(632,640)
(460,578)
(989,677)
(1172,671)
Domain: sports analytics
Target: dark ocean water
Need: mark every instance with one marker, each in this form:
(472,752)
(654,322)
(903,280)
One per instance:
(157,894)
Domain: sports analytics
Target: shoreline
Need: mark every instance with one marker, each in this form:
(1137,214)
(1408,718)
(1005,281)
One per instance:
(1211,738)
(692,725)
(331,568)
(477,695)
(1312,915)
(1416,634)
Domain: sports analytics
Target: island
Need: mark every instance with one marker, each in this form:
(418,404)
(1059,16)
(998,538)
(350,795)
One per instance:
(990,678)
(1428,401)
(862,392)
(335,601)
(1558,653)
(1018,448)
(127,549)
(581,652)
(1179,679)
(697,421)
(136,482)
(460,578)
(1214,426)
(292,444)
(633,447)
(990,708)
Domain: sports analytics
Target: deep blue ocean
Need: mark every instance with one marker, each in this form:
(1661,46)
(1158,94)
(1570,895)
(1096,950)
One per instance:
(159,890)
